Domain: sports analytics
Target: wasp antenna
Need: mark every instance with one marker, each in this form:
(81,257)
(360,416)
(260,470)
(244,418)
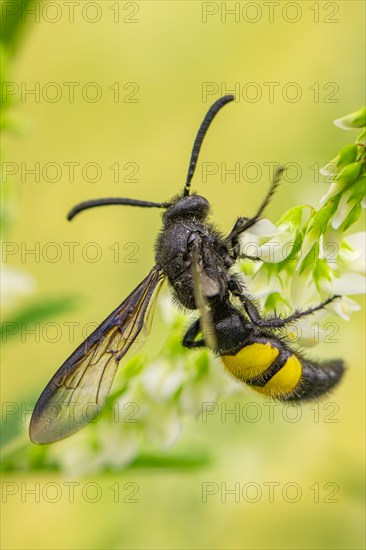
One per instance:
(273,187)
(214,109)
(246,223)
(112,201)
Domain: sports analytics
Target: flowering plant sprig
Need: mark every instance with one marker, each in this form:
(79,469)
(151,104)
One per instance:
(305,257)
(308,254)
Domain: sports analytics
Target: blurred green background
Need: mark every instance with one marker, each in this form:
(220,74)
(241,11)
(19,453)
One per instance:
(166,53)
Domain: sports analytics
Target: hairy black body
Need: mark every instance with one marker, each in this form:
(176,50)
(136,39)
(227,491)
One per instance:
(185,226)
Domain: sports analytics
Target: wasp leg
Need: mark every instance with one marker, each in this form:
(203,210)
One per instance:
(189,340)
(236,253)
(253,258)
(272,321)
(243,224)
(278,322)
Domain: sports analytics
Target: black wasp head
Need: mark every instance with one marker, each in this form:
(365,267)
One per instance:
(191,206)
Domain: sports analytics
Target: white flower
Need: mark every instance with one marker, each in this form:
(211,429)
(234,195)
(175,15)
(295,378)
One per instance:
(168,312)
(329,169)
(334,188)
(75,456)
(262,228)
(262,283)
(329,246)
(162,378)
(279,247)
(353,252)
(343,209)
(163,425)
(347,283)
(133,405)
(194,394)
(251,240)
(205,387)
(351,121)
(14,284)
(308,331)
(119,444)
(343,307)
(303,290)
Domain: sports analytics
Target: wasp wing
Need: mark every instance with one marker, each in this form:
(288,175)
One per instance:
(77,392)
(204,287)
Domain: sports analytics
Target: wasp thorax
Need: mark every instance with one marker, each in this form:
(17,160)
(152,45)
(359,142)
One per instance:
(193,206)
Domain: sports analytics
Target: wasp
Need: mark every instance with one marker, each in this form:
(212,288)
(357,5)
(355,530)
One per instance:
(197,261)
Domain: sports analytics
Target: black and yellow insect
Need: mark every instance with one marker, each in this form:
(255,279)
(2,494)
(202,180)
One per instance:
(196,260)
(252,353)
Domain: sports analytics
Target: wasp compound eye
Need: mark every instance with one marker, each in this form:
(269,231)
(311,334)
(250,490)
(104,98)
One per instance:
(192,206)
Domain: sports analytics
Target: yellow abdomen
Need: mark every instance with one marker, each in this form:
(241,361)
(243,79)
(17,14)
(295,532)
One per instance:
(252,364)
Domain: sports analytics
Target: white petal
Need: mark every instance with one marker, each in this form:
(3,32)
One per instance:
(167,309)
(163,426)
(354,254)
(329,169)
(307,332)
(261,284)
(334,188)
(348,283)
(277,249)
(14,283)
(303,289)
(343,209)
(343,307)
(161,379)
(120,444)
(198,392)
(132,406)
(76,456)
(357,240)
(259,234)
(342,123)
(264,228)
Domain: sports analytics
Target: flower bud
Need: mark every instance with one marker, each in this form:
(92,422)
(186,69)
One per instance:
(352,217)
(310,260)
(318,223)
(297,216)
(361,140)
(347,155)
(358,189)
(354,120)
(349,173)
